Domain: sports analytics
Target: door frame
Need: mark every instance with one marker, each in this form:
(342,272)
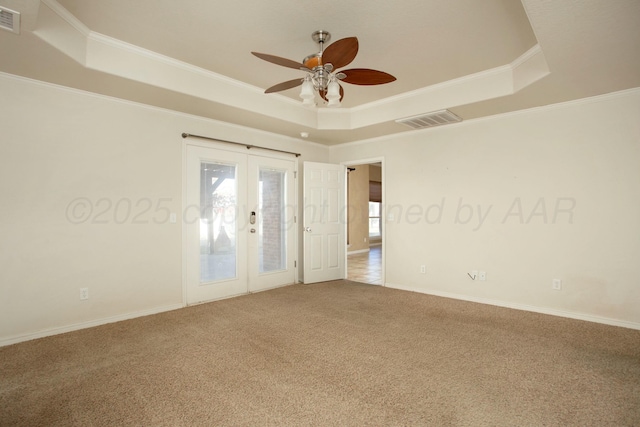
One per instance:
(221,146)
(383,216)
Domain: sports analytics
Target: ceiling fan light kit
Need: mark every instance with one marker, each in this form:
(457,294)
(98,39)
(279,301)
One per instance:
(333,94)
(321,78)
(307,92)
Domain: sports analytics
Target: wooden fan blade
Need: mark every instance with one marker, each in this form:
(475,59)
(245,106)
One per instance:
(366,77)
(341,53)
(280,61)
(284,85)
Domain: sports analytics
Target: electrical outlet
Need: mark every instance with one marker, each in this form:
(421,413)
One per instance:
(84,293)
(556,285)
(483,276)
(423,269)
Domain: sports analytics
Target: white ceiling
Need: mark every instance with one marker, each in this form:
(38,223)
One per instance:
(476,58)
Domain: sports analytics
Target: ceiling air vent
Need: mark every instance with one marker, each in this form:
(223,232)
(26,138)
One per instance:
(437,118)
(9,20)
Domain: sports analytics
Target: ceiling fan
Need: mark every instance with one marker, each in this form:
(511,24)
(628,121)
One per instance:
(321,67)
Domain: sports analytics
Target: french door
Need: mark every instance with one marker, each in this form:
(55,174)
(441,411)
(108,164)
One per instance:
(239,223)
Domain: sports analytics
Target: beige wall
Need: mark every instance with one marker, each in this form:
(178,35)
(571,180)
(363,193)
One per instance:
(358,205)
(66,154)
(358,208)
(527,197)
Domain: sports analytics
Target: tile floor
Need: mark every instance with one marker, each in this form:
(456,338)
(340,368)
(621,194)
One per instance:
(366,267)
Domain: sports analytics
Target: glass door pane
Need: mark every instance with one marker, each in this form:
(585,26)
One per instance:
(218,221)
(271,239)
(272,222)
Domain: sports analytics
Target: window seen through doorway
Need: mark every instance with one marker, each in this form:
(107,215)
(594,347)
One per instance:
(374,219)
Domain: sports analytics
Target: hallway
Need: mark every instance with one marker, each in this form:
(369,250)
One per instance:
(366,267)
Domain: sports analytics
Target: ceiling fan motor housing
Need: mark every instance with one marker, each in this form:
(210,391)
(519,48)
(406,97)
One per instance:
(321,74)
(321,78)
(312,61)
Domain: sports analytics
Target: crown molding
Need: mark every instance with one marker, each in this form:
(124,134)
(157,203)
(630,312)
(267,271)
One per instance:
(224,125)
(63,13)
(496,117)
(59,28)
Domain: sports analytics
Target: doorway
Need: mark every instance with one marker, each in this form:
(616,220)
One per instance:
(239,223)
(365,241)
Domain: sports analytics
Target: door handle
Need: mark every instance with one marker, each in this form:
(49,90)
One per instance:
(252,218)
(307,229)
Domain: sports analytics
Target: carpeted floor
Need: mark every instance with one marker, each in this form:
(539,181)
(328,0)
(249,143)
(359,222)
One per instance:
(330,354)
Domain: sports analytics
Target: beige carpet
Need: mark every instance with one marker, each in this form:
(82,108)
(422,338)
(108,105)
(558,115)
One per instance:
(334,354)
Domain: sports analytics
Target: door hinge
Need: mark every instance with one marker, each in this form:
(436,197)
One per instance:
(295,263)
(295,219)
(295,174)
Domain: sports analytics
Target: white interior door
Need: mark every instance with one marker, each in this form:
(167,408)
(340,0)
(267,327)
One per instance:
(324,222)
(239,235)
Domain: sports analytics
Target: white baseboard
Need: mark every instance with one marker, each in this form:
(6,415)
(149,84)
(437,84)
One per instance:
(75,327)
(524,307)
(361,251)
(535,309)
